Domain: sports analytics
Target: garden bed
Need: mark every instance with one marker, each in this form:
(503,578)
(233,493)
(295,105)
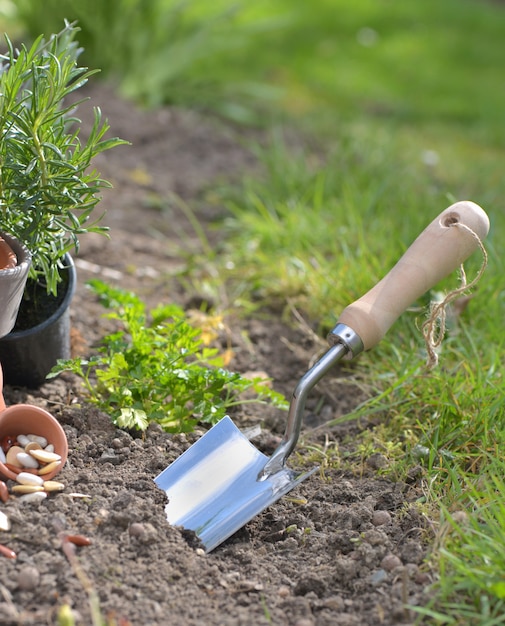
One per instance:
(345,548)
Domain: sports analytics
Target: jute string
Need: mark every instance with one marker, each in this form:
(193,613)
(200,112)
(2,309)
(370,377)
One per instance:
(434,327)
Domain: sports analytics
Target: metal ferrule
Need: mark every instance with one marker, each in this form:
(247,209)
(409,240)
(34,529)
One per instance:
(345,335)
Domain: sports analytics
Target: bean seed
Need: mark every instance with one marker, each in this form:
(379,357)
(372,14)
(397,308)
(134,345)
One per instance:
(46,469)
(4,492)
(38,439)
(27,488)
(33,445)
(23,440)
(45,457)
(10,554)
(11,456)
(53,485)
(36,496)
(78,540)
(5,523)
(26,478)
(27,459)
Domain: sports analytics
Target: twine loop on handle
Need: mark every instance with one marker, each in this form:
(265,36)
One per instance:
(434,327)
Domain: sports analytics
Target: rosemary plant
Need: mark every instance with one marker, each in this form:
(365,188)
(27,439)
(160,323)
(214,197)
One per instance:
(47,189)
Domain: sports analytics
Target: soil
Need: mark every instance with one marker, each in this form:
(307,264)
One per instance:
(344,548)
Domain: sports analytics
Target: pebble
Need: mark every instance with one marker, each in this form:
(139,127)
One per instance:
(136,529)
(390,562)
(28,578)
(378,577)
(380,518)
(3,458)
(377,461)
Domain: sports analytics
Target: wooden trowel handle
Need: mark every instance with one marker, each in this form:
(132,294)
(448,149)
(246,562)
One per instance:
(438,251)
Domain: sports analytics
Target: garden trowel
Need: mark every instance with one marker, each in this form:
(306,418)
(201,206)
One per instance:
(222,481)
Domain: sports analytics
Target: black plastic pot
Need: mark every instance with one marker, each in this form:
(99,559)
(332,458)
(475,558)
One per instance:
(12,284)
(28,355)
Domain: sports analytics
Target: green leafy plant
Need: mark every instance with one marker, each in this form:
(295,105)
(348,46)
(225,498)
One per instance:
(156,367)
(47,189)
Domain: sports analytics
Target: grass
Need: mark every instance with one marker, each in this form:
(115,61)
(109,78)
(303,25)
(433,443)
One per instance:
(398,111)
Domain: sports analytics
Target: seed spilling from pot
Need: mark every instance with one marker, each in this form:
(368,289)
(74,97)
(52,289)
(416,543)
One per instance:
(30,453)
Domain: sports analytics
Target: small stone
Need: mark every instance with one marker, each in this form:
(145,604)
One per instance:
(283,591)
(49,447)
(27,460)
(422,578)
(380,518)
(390,562)
(378,577)
(3,458)
(377,461)
(28,578)
(136,529)
(45,457)
(25,478)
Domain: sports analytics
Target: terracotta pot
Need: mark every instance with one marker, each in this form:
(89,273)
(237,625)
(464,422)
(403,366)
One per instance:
(2,401)
(28,355)
(24,419)
(8,258)
(15,260)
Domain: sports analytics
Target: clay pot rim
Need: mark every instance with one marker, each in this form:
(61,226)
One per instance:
(22,253)
(9,259)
